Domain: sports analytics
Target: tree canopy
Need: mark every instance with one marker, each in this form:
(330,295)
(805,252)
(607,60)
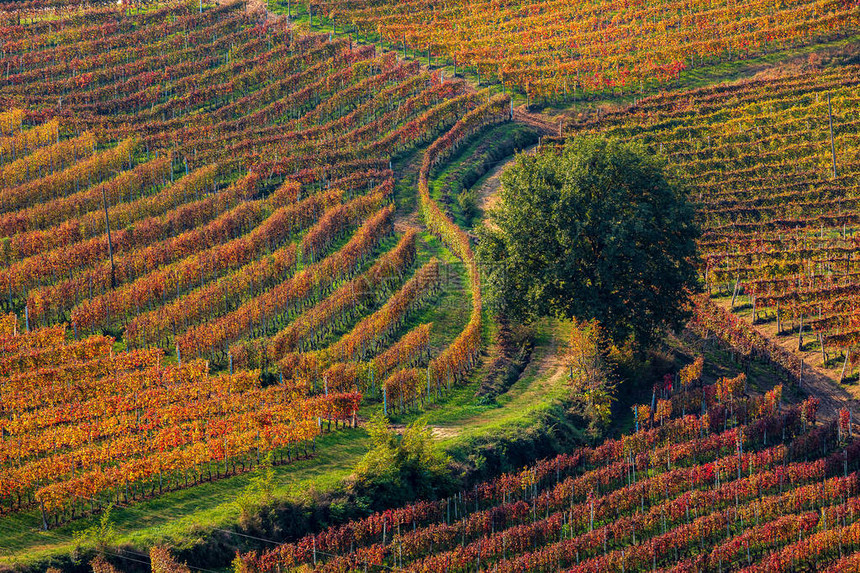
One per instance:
(595,231)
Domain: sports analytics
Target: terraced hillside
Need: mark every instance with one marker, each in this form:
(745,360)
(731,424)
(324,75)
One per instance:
(773,164)
(744,485)
(235,206)
(201,191)
(556,51)
(221,241)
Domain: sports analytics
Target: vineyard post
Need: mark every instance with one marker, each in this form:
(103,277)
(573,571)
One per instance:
(844,364)
(591,508)
(821,343)
(27,316)
(800,334)
(110,241)
(832,143)
(384,400)
(6,242)
(44,521)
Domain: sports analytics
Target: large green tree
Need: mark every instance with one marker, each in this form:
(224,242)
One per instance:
(595,231)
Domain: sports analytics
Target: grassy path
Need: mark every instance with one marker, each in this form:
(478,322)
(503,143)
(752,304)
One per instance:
(178,516)
(184,517)
(461,415)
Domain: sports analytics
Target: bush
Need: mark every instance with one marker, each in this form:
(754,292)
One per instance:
(401,468)
(467,200)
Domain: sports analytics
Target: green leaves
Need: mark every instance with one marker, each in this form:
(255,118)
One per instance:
(100,536)
(403,467)
(592,231)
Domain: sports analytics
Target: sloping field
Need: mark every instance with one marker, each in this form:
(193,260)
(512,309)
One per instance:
(777,189)
(563,51)
(213,193)
(743,486)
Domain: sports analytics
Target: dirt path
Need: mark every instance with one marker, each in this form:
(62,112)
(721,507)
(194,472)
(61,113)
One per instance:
(817,381)
(543,380)
(538,121)
(833,397)
(488,191)
(550,365)
(540,379)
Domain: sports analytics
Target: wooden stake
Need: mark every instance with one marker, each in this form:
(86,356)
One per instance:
(800,334)
(735,292)
(110,242)
(832,143)
(821,343)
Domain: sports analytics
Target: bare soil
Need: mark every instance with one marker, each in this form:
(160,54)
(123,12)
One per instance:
(823,383)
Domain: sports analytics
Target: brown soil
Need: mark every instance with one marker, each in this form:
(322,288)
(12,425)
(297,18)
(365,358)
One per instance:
(823,383)
(538,121)
(488,192)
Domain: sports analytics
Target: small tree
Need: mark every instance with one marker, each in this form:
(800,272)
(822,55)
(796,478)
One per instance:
(590,375)
(260,491)
(162,561)
(101,536)
(595,232)
(400,468)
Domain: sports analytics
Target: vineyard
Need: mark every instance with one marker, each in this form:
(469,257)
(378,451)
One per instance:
(556,51)
(225,244)
(743,485)
(773,166)
(202,261)
(249,223)
(92,428)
